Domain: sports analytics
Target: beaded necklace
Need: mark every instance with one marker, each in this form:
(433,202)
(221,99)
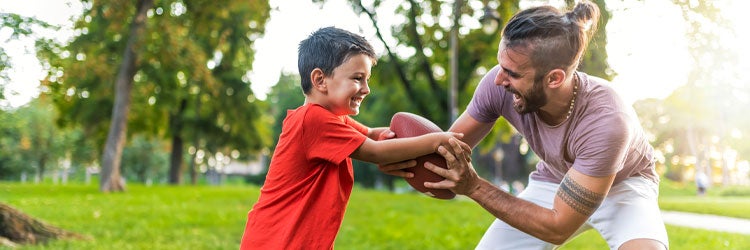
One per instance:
(575,93)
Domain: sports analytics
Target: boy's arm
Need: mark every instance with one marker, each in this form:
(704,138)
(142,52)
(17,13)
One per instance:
(401,149)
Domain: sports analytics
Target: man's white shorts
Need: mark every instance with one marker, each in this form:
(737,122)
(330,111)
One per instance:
(630,211)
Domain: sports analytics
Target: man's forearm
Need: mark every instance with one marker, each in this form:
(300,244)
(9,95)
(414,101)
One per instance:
(528,217)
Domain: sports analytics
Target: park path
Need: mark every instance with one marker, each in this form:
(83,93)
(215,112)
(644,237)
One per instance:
(708,222)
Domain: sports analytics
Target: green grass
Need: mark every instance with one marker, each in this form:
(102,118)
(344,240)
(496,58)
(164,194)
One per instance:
(722,201)
(204,217)
(200,217)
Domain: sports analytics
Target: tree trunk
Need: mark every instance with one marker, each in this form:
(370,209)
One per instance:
(42,166)
(110,174)
(19,228)
(175,166)
(175,160)
(196,142)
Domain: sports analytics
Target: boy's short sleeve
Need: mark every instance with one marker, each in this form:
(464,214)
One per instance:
(356,125)
(329,137)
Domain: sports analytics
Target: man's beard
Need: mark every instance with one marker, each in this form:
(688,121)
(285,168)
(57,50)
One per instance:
(531,101)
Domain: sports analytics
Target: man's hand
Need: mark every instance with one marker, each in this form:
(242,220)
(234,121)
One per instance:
(460,177)
(395,169)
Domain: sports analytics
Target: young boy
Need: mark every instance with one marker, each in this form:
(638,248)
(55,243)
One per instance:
(302,202)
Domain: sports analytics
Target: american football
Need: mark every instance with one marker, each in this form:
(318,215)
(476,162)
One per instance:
(404,125)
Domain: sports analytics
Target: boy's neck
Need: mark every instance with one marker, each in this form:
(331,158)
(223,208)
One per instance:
(312,99)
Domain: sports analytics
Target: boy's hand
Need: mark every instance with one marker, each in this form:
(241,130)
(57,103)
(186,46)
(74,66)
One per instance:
(395,169)
(445,142)
(386,134)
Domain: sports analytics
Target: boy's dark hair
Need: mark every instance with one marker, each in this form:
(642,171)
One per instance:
(327,48)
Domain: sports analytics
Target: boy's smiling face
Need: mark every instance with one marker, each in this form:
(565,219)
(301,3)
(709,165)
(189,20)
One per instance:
(348,85)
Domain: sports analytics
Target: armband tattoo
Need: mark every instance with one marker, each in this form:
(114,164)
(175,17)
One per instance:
(579,198)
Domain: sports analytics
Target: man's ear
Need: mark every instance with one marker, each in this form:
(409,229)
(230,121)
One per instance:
(555,78)
(317,76)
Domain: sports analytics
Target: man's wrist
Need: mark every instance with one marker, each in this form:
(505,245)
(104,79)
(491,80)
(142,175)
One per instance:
(477,189)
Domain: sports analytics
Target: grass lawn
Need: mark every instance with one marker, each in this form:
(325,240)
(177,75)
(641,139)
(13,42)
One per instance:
(725,201)
(205,217)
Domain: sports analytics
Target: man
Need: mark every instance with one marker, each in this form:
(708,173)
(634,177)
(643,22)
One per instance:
(596,168)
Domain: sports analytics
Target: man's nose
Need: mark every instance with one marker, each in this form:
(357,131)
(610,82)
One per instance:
(501,79)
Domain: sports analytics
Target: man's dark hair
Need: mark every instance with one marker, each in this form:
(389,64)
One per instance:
(327,48)
(554,39)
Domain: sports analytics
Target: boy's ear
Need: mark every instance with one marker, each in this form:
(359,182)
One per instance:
(318,79)
(555,78)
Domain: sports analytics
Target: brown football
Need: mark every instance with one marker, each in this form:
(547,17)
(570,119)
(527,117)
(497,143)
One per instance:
(404,125)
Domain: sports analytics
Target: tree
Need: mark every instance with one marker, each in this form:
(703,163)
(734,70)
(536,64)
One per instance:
(700,124)
(190,83)
(111,157)
(144,159)
(216,107)
(31,141)
(422,78)
(42,143)
(19,228)
(19,26)
(11,161)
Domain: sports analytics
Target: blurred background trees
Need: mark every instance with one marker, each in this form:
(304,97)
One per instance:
(193,112)
(189,86)
(700,126)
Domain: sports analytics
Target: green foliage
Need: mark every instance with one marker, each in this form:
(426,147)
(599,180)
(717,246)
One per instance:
(594,61)
(201,217)
(19,26)
(191,83)
(285,95)
(145,159)
(32,144)
(11,164)
(422,78)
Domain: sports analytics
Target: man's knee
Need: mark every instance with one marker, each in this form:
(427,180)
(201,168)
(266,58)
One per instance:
(642,244)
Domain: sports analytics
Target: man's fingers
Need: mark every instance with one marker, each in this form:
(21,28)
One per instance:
(456,146)
(444,184)
(438,170)
(449,157)
(461,149)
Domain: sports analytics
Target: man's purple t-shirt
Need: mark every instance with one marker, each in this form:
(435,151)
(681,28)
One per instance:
(601,137)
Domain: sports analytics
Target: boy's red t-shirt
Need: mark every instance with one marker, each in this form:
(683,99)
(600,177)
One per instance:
(307,188)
